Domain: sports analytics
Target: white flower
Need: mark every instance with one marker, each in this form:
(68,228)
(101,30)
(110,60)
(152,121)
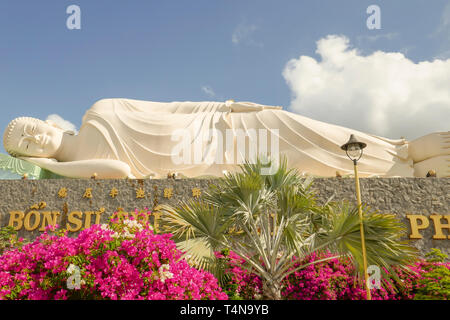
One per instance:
(132,224)
(164,267)
(164,273)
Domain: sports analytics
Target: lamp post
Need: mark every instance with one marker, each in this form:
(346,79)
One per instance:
(354,150)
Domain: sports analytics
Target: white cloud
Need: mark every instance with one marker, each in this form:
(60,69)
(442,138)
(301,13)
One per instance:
(243,33)
(443,55)
(383,93)
(63,124)
(208,91)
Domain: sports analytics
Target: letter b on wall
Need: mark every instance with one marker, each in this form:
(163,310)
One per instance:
(74,20)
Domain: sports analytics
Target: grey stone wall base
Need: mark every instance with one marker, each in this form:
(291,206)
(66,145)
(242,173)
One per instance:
(399,196)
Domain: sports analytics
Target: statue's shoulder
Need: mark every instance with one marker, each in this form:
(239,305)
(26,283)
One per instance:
(103,104)
(121,103)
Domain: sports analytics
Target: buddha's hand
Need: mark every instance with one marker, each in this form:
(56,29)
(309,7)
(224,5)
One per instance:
(430,146)
(244,106)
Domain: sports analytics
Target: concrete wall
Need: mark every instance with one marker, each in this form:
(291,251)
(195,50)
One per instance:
(400,196)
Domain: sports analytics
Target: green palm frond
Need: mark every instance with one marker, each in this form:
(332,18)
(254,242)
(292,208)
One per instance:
(384,237)
(198,228)
(236,189)
(269,219)
(193,219)
(198,252)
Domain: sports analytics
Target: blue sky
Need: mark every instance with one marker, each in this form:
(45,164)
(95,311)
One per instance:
(203,50)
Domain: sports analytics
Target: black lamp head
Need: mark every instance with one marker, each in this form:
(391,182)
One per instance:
(353,148)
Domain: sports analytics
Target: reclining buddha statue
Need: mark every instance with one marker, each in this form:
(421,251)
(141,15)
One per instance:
(122,138)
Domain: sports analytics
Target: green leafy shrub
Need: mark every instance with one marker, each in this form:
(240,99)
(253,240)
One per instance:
(435,282)
(8,239)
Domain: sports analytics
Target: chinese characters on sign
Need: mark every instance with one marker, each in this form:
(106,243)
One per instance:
(168,193)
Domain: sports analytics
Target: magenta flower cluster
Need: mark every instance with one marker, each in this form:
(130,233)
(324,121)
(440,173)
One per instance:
(334,279)
(243,282)
(121,260)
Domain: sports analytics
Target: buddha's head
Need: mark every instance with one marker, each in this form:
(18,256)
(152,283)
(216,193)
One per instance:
(30,137)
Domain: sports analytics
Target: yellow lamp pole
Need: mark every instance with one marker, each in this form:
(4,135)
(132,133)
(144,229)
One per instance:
(361,229)
(354,150)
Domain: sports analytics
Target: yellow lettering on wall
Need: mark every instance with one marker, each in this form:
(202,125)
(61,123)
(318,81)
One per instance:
(88,193)
(37,219)
(156,215)
(87,220)
(72,219)
(140,193)
(168,193)
(16,219)
(438,226)
(98,215)
(49,218)
(62,193)
(413,218)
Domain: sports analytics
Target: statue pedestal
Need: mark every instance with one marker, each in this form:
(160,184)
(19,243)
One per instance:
(30,205)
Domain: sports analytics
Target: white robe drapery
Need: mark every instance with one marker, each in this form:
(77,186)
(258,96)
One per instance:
(141,134)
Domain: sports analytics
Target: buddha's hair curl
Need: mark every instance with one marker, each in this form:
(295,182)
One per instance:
(7,143)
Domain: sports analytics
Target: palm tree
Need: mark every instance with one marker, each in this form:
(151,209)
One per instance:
(273,221)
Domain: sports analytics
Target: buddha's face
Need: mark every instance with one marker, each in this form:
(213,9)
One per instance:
(34,138)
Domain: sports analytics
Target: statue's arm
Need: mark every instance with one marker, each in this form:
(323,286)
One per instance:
(229,105)
(131,105)
(104,168)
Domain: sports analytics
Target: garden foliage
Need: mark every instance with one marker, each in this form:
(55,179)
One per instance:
(124,259)
(335,280)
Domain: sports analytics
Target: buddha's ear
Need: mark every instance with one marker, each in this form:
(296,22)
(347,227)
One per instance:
(54,124)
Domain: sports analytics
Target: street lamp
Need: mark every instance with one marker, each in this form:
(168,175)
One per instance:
(354,150)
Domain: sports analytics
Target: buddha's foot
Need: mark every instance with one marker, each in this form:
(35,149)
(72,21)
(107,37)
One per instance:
(430,146)
(440,164)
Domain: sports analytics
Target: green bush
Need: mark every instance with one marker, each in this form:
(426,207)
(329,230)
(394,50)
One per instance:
(7,238)
(435,282)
